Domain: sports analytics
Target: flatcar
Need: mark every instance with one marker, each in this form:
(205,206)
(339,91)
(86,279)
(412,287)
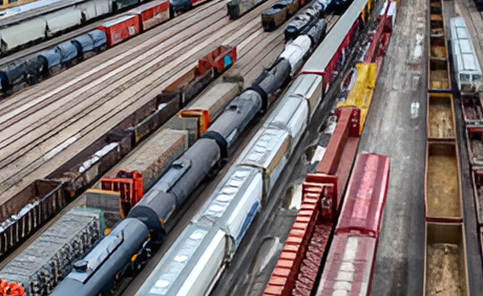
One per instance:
(465,62)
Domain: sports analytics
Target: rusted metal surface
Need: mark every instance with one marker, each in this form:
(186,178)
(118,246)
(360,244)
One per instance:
(472,109)
(442,187)
(474,138)
(440,120)
(297,264)
(445,260)
(43,199)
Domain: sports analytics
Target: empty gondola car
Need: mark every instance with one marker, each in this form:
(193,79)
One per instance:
(465,62)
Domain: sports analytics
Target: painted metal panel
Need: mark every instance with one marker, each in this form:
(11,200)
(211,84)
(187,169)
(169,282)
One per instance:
(365,197)
(349,265)
(291,114)
(268,151)
(62,20)
(188,266)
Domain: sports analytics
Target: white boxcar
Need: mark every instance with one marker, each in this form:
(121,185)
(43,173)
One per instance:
(465,62)
(191,265)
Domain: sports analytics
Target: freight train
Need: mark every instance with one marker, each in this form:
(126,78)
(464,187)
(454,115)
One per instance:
(56,18)
(198,257)
(38,66)
(309,240)
(445,246)
(127,247)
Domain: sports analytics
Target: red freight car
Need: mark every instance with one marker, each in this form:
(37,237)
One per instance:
(349,266)
(366,196)
(121,28)
(152,14)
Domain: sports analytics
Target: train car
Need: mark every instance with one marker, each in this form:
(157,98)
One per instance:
(42,200)
(9,3)
(49,258)
(304,19)
(478,194)
(91,10)
(472,109)
(438,63)
(152,13)
(445,258)
(443,201)
(466,66)
(121,28)
(357,230)
(296,270)
(340,37)
(440,119)
(177,6)
(474,140)
(91,43)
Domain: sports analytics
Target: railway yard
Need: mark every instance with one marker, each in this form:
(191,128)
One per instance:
(242,147)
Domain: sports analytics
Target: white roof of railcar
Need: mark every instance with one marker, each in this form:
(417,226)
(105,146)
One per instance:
(325,51)
(31,10)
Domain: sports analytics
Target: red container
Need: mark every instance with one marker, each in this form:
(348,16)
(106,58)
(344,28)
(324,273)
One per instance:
(121,28)
(366,196)
(349,266)
(152,14)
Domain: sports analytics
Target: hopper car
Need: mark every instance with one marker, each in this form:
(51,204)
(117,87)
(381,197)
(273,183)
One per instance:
(466,67)
(38,66)
(97,271)
(200,254)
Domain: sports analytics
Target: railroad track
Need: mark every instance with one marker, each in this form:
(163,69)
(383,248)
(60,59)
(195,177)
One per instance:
(43,139)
